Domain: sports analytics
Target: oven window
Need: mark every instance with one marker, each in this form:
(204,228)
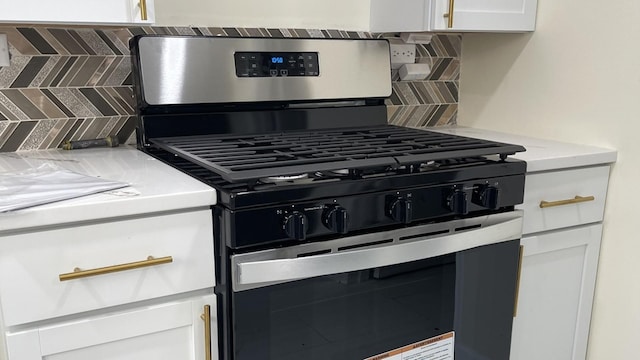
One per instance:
(360,314)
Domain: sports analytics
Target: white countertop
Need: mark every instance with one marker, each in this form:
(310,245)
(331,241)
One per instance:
(155,187)
(541,155)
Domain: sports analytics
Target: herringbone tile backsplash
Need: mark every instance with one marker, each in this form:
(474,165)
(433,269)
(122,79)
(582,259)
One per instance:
(75,83)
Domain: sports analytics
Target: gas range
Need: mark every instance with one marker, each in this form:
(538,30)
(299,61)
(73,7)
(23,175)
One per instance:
(320,199)
(303,185)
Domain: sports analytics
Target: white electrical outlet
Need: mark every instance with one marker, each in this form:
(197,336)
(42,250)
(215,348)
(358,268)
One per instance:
(4,51)
(402,53)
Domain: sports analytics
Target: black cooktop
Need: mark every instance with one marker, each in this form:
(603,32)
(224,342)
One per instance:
(250,159)
(323,184)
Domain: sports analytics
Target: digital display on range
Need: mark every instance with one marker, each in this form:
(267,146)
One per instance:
(276,64)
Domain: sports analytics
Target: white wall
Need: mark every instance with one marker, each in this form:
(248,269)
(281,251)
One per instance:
(324,14)
(577,79)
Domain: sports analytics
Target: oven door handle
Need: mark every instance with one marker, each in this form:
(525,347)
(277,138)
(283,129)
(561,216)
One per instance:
(255,274)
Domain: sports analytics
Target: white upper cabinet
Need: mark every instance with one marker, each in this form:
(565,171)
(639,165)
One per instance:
(78,12)
(467,15)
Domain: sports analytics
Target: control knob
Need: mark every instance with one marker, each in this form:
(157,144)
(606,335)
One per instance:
(336,219)
(296,225)
(487,196)
(457,202)
(401,210)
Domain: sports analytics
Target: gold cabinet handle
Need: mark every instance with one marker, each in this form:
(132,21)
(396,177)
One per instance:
(79,273)
(207,331)
(143,10)
(449,15)
(515,304)
(575,200)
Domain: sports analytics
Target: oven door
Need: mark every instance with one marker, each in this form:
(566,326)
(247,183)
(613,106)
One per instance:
(421,291)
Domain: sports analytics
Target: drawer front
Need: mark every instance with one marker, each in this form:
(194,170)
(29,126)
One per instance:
(566,197)
(31,265)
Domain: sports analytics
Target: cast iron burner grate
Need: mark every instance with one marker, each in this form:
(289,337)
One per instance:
(248,158)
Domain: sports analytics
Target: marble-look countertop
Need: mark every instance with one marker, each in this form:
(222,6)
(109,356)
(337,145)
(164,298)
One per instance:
(154,187)
(541,155)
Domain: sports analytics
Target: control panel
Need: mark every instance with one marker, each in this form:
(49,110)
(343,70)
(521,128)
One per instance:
(276,64)
(343,215)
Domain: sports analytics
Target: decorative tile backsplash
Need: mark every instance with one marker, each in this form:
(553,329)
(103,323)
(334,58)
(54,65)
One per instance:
(75,83)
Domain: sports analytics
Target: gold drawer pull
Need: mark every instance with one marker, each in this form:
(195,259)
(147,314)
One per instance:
(575,200)
(449,15)
(143,10)
(207,331)
(151,261)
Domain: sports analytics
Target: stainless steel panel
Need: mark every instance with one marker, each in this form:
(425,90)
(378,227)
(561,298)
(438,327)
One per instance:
(193,70)
(264,268)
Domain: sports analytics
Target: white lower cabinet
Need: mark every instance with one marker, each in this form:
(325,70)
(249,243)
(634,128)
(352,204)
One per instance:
(168,331)
(121,289)
(556,294)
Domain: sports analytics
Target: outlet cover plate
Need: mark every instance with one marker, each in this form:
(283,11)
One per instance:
(4,51)
(402,54)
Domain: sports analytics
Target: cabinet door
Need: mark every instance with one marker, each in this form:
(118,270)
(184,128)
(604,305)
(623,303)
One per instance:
(485,15)
(76,11)
(556,294)
(404,16)
(165,332)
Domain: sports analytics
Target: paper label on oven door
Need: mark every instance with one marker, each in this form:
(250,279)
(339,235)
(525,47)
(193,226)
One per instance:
(436,348)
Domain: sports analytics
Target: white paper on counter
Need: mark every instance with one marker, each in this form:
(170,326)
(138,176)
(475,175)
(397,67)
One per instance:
(46,184)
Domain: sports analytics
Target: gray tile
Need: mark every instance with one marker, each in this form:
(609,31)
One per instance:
(57,102)
(42,102)
(12,108)
(64,70)
(18,136)
(37,135)
(100,72)
(75,34)
(107,127)
(6,129)
(71,72)
(49,140)
(86,72)
(98,101)
(315,33)
(58,135)
(127,130)
(95,42)
(9,74)
(29,72)
(37,40)
(68,42)
(44,72)
(61,61)
(94,127)
(113,48)
(119,73)
(73,132)
(70,101)
(85,102)
(21,101)
(184,31)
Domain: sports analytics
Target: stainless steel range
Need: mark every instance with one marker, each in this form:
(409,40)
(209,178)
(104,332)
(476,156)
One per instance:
(338,236)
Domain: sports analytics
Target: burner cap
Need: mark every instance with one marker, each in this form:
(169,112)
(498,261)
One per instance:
(340,171)
(283,178)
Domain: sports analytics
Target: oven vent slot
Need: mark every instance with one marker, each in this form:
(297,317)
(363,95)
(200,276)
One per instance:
(433,233)
(373,243)
(314,253)
(469,227)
